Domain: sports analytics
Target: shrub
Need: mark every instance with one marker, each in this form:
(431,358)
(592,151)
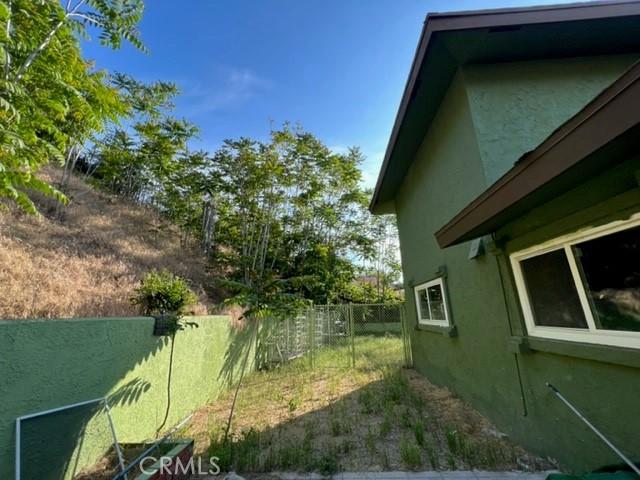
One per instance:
(162,292)
(455,441)
(335,426)
(406,418)
(370,442)
(345,446)
(384,459)
(433,457)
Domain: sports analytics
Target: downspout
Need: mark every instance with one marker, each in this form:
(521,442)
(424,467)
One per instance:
(498,253)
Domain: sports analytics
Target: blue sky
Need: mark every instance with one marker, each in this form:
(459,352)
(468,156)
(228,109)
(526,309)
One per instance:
(338,67)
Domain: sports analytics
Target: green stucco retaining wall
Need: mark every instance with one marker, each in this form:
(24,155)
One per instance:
(480,363)
(51,363)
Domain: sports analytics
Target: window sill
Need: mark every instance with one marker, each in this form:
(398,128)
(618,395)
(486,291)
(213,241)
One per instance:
(449,331)
(629,357)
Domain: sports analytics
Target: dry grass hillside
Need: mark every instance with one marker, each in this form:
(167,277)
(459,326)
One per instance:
(88,263)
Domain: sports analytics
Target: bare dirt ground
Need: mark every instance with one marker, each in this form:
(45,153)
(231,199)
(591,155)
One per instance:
(375,417)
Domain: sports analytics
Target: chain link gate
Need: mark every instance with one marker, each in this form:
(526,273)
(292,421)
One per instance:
(332,334)
(339,336)
(378,335)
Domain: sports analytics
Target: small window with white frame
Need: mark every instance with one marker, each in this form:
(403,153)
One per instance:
(431,303)
(583,287)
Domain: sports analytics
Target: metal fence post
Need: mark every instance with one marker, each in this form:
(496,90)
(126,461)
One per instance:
(352,331)
(312,333)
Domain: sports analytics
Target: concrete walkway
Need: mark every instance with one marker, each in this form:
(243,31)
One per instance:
(455,475)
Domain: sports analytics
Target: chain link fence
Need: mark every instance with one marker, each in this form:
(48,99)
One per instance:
(377,319)
(334,336)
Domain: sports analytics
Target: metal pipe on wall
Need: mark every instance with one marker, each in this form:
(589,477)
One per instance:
(499,254)
(595,430)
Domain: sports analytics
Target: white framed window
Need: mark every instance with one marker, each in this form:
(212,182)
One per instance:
(431,303)
(583,287)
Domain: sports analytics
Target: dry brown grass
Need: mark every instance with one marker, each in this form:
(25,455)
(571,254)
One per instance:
(88,263)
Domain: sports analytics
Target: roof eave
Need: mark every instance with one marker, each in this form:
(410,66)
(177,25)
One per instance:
(609,115)
(440,22)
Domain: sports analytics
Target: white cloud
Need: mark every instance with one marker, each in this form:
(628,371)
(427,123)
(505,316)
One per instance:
(229,87)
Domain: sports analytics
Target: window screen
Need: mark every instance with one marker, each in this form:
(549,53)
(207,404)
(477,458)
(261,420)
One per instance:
(610,267)
(552,292)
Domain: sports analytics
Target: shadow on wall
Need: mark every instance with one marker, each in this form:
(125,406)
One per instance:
(128,393)
(241,346)
(48,364)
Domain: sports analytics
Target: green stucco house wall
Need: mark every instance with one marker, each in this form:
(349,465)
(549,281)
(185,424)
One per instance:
(476,107)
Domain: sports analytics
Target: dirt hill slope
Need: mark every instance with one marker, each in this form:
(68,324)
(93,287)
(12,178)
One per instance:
(88,263)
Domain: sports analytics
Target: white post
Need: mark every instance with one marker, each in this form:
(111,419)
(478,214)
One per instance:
(18,449)
(115,438)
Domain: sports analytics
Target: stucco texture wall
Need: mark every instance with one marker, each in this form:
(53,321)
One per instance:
(445,176)
(490,116)
(515,106)
(601,381)
(48,364)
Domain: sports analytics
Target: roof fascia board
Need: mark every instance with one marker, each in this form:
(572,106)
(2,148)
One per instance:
(441,22)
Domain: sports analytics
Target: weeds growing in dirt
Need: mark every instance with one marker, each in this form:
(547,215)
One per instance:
(410,454)
(375,416)
(418,431)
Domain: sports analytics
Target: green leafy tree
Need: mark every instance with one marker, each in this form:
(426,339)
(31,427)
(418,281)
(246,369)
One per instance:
(50,98)
(147,157)
(285,218)
(284,221)
(383,262)
(100,105)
